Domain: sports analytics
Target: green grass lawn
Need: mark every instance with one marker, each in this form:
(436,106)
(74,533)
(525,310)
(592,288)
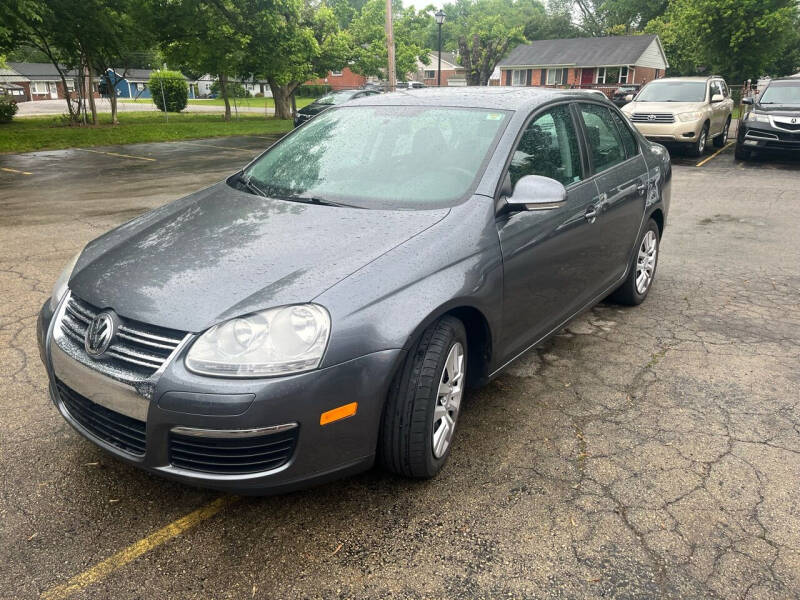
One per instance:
(250,102)
(48,133)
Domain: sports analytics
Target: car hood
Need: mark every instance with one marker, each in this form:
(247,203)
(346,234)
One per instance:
(663,107)
(778,110)
(220,253)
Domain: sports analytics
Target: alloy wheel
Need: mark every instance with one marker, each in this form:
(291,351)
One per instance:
(448,400)
(646,262)
(701,142)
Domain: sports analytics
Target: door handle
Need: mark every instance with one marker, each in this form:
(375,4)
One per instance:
(641,188)
(591,213)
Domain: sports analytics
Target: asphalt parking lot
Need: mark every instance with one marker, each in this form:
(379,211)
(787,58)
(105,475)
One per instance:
(643,453)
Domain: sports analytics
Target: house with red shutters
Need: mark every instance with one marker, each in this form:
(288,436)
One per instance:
(600,62)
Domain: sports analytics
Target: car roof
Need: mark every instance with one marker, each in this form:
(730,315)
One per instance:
(494,97)
(703,78)
(795,80)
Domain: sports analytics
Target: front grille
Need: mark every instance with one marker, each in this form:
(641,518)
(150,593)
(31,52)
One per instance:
(119,430)
(786,123)
(138,347)
(656,118)
(232,456)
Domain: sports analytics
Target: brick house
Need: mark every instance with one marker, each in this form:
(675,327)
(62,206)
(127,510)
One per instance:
(604,62)
(41,81)
(340,80)
(451,70)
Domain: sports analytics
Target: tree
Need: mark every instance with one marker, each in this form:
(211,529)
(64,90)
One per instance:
(738,39)
(613,17)
(369,38)
(202,37)
(485,31)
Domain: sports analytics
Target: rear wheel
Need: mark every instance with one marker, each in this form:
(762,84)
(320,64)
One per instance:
(699,146)
(642,270)
(424,402)
(720,140)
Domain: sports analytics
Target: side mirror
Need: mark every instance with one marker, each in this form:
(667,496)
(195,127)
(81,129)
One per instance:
(629,98)
(534,192)
(747,101)
(717,98)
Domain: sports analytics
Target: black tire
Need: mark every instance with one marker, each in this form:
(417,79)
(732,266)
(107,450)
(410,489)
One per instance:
(406,440)
(741,153)
(627,293)
(720,140)
(699,147)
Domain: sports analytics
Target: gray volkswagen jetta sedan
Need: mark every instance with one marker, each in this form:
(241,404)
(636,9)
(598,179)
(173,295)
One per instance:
(326,307)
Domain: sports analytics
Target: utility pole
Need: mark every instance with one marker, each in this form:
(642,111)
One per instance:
(390,46)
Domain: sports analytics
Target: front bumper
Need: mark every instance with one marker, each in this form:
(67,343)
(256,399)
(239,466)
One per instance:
(200,406)
(762,136)
(671,133)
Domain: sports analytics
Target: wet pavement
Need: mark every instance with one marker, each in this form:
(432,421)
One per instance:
(649,452)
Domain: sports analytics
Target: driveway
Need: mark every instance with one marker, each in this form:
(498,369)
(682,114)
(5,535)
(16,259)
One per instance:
(651,452)
(59,107)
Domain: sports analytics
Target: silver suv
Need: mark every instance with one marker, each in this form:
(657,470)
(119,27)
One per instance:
(683,110)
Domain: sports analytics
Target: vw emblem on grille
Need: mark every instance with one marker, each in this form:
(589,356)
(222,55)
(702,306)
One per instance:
(100,333)
(651,117)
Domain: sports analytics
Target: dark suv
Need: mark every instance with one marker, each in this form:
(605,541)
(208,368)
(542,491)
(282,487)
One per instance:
(773,123)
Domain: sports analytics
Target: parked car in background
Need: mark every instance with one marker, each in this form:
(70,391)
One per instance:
(624,94)
(327,306)
(327,101)
(773,122)
(683,110)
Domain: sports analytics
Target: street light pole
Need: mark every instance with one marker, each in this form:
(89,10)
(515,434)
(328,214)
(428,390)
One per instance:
(440,17)
(391,75)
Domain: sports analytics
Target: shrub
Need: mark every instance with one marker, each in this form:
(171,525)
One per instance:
(8,108)
(170,88)
(312,91)
(235,90)
(258,95)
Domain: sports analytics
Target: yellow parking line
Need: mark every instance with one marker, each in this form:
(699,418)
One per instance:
(725,147)
(117,154)
(134,551)
(15,171)
(223,147)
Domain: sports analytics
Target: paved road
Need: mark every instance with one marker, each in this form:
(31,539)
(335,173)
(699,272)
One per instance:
(643,453)
(59,107)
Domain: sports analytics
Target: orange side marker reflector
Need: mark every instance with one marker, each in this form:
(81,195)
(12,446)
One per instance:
(342,412)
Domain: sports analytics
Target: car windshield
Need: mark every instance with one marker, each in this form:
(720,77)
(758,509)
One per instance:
(781,93)
(336,98)
(673,91)
(407,157)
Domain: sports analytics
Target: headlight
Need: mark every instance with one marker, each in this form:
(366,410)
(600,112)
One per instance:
(60,287)
(278,341)
(690,116)
(758,117)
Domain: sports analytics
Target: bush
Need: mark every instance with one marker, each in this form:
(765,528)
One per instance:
(8,108)
(312,91)
(175,90)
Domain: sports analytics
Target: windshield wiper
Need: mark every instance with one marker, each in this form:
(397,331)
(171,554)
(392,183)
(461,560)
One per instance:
(251,186)
(312,200)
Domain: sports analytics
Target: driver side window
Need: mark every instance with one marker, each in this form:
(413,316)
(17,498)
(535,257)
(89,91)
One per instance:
(548,147)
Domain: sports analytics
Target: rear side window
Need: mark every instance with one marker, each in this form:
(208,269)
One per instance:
(548,147)
(628,139)
(605,143)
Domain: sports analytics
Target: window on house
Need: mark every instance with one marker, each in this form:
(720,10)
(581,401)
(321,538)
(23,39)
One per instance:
(519,77)
(39,87)
(336,73)
(430,74)
(556,76)
(70,85)
(600,75)
(623,74)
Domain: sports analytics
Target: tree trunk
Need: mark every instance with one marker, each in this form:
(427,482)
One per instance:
(90,93)
(282,95)
(112,96)
(223,89)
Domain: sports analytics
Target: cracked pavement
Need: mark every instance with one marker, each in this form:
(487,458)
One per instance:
(651,452)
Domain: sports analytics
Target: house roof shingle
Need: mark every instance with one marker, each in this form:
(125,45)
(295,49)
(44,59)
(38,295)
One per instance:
(580,52)
(39,71)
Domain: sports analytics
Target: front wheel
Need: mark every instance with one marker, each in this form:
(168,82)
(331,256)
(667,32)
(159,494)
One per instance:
(642,270)
(720,140)
(699,146)
(424,402)
(741,153)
